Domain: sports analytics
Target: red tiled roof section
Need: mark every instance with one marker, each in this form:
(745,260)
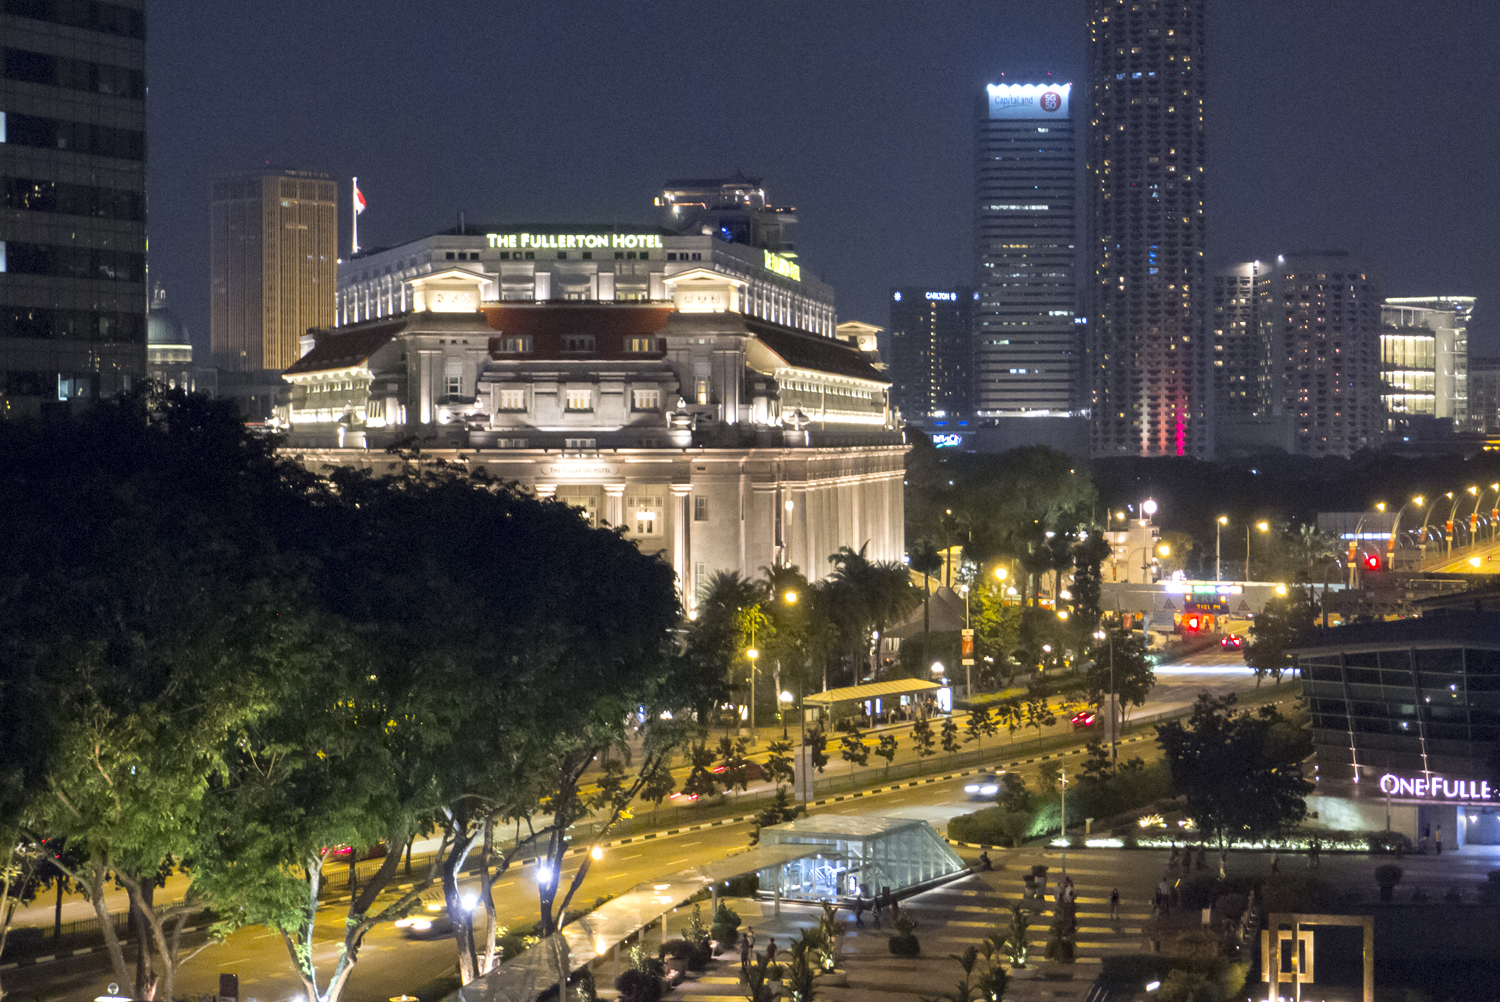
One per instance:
(551,320)
(336,350)
(813,351)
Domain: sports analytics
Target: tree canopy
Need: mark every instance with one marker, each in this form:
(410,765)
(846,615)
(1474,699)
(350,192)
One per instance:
(1240,772)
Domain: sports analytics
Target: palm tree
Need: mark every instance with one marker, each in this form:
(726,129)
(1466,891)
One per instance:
(925,559)
(877,594)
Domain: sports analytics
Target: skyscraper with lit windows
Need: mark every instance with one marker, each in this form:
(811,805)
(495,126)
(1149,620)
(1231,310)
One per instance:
(73,187)
(1148,351)
(1025,230)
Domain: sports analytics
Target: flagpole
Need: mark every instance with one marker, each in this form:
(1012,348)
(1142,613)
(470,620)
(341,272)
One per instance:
(354,218)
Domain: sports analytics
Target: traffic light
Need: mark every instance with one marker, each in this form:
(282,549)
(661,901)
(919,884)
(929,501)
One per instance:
(1372,561)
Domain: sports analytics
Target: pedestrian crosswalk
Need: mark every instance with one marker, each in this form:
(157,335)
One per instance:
(956,916)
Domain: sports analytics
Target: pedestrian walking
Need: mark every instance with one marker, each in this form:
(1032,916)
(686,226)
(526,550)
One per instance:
(1173,860)
(1275,861)
(1070,895)
(984,862)
(745,950)
(859,913)
(1114,905)
(879,904)
(1438,842)
(1164,895)
(750,938)
(770,950)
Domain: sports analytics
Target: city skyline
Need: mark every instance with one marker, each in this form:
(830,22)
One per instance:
(1306,161)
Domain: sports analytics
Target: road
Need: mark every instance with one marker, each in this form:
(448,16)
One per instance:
(392,965)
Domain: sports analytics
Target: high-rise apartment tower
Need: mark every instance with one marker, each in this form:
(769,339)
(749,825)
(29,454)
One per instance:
(1025,230)
(273,262)
(1320,313)
(73,190)
(1148,353)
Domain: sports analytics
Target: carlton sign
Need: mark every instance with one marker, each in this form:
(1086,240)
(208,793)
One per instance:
(1436,788)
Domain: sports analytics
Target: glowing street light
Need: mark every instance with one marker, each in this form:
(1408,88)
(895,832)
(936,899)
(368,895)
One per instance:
(1218,531)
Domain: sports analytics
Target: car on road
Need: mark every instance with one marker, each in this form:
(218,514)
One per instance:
(431,922)
(1084,718)
(983,786)
(1232,642)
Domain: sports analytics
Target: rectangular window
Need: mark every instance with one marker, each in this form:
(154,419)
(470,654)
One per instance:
(580,443)
(640,345)
(455,386)
(700,508)
(513,400)
(450,256)
(645,400)
(514,345)
(643,515)
(580,400)
(671,256)
(562,255)
(578,342)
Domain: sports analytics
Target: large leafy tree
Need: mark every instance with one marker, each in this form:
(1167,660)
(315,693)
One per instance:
(1122,667)
(1239,772)
(1284,623)
(490,648)
(870,595)
(150,592)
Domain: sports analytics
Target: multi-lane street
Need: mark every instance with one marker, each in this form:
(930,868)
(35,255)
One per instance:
(392,965)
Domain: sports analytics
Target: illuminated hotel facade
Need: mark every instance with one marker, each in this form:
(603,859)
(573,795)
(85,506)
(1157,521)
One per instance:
(721,224)
(1148,354)
(717,438)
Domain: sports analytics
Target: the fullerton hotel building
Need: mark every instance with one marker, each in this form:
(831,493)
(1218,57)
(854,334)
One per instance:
(719,439)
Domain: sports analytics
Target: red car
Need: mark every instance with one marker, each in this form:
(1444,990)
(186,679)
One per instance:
(1084,718)
(1233,642)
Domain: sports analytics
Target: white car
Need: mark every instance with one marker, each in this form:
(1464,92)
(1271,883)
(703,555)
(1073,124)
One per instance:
(983,786)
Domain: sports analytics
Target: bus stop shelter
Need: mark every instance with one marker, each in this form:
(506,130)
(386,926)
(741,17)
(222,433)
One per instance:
(875,700)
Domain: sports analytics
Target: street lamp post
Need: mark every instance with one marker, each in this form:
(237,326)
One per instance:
(1354,543)
(786,703)
(1162,550)
(1223,520)
(1390,548)
(1263,527)
(969,662)
(752,654)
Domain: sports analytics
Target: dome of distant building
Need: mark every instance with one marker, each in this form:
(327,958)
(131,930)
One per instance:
(162,325)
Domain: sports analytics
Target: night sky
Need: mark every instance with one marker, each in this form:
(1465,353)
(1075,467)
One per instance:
(1367,125)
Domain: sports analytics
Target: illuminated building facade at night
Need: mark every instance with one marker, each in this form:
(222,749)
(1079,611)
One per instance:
(721,440)
(73,186)
(1424,362)
(1148,351)
(722,225)
(931,354)
(1026,353)
(273,266)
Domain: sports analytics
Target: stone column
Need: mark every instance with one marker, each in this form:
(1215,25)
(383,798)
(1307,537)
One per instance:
(681,498)
(614,504)
(424,385)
